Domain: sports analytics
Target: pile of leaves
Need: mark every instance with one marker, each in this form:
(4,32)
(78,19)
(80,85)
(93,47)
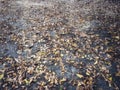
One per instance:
(53,48)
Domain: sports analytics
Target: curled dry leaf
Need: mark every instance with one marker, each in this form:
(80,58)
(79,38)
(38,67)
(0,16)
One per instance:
(110,78)
(96,62)
(1,76)
(74,45)
(30,70)
(41,53)
(79,75)
(63,80)
(118,73)
(83,34)
(117,37)
(88,73)
(27,82)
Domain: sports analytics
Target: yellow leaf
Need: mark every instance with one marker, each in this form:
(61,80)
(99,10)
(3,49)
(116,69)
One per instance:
(42,83)
(61,55)
(110,78)
(8,58)
(88,73)
(62,80)
(1,76)
(79,75)
(56,52)
(74,45)
(117,37)
(72,61)
(96,62)
(82,56)
(41,53)
(26,81)
(85,56)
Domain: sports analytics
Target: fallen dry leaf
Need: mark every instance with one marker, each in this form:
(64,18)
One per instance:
(118,73)
(79,75)
(1,76)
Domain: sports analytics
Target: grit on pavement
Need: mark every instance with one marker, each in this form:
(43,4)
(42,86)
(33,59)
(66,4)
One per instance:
(59,44)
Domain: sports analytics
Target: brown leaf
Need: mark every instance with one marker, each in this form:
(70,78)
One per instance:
(118,73)
(83,34)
